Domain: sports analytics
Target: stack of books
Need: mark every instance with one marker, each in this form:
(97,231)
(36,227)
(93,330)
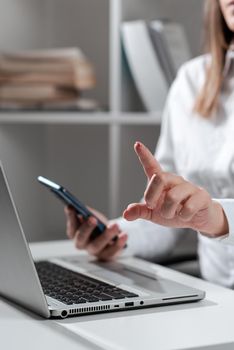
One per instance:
(45,79)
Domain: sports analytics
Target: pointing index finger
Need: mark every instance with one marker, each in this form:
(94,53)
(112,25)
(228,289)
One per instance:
(148,161)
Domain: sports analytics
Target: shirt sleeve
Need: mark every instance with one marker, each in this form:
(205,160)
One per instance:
(151,241)
(228,207)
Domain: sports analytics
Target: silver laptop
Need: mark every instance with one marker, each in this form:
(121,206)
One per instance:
(76,285)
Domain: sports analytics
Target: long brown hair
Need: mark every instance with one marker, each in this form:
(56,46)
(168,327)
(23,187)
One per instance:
(217,40)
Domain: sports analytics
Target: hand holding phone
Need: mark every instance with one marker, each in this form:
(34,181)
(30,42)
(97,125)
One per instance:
(69,199)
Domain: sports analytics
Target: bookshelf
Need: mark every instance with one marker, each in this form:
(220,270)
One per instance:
(74,118)
(94,149)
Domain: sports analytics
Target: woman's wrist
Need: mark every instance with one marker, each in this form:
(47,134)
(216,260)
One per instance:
(218,223)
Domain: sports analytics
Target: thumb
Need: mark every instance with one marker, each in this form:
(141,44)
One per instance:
(137,211)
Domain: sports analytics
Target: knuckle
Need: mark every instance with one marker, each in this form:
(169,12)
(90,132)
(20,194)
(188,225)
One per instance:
(162,178)
(189,207)
(166,209)
(171,197)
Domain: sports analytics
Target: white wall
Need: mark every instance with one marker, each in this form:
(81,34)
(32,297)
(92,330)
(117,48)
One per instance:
(22,24)
(83,23)
(77,157)
(22,150)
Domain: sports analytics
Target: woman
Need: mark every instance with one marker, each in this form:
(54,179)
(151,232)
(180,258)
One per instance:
(196,142)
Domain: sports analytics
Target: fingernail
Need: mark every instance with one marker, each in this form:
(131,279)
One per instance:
(137,145)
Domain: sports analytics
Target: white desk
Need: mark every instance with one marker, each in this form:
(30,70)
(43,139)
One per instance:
(201,324)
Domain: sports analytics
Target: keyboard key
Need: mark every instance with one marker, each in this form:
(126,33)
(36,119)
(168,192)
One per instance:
(103,297)
(72,287)
(130,295)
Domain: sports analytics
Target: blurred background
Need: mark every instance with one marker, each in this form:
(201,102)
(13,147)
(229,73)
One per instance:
(87,148)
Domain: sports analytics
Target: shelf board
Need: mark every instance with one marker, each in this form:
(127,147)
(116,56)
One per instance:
(94,118)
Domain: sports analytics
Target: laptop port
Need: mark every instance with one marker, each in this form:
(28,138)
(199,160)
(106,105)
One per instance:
(64,313)
(130,303)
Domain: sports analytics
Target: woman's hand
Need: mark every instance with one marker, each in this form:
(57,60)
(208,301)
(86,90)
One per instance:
(172,201)
(103,247)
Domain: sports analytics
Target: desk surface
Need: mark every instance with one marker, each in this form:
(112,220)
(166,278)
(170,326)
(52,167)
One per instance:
(185,326)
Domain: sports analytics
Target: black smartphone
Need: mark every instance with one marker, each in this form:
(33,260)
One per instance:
(69,199)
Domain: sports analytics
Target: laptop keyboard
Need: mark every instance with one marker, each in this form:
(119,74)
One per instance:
(71,287)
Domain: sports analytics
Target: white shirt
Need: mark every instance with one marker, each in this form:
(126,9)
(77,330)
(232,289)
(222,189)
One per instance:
(202,151)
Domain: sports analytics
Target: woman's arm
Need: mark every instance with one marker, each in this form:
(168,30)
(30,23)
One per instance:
(172,201)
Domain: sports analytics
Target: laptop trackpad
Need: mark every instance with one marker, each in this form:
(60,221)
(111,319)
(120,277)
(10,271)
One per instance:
(113,277)
(119,274)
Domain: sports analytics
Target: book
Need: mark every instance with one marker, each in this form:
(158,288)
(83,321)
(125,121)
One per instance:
(35,93)
(60,79)
(69,65)
(155,51)
(64,54)
(144,65)
(80,76)
(171,46)
(46,80)
(66,104)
